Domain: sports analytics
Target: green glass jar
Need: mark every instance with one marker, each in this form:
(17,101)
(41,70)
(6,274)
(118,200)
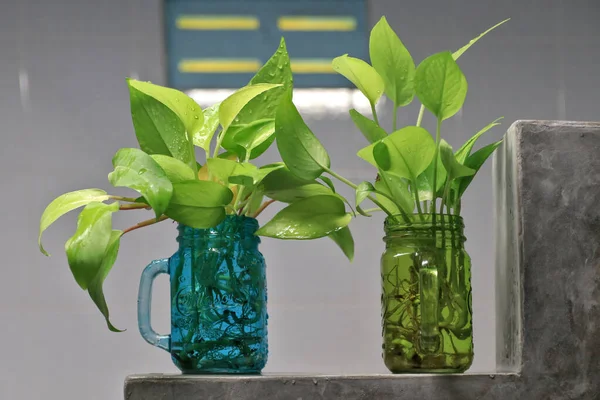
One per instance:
(426,295)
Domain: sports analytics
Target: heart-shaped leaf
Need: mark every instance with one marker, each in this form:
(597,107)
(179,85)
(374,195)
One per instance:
(299,148)
(411,150)
(465,150)
(361,193)
(368,127)
(65,203)
(95,288)
(282,185)
(186,109)
(343,238)
(460,51)
(158,129)
(204,135)
(440,85)
(199,204)
(393,62)
(250,139)
(452,166)
(223,169)
(138,171)
(275,71)
(362,75)
(231,106)
(309,218)
(87,247)
(176,170)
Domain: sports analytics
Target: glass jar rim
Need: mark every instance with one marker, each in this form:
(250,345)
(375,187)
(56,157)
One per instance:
(231,225)
(421,222)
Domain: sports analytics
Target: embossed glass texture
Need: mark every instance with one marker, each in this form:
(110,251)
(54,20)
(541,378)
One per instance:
(218,300)
(426,296)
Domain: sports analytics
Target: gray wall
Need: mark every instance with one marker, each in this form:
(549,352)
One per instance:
(64,112)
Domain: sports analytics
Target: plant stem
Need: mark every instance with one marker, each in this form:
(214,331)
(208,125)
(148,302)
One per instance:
(133,206)
(262,207)
(369,210)
(120,198)
(420,117)
(418,203)
(395,118)
(374,113)
(435,165)
(218,145)
(241,187)
(445,196)
(353,186)
(147,222)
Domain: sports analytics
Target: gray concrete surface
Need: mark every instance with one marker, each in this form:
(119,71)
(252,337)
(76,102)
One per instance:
(547,177)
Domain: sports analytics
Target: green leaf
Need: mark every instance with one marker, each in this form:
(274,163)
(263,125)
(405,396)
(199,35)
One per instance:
(393,62)
(204,135)
(299,148)
(186,109)
(362,192)
(368,127)
(223,169)
(362,75)
(381,155)
(424,180)
(243,138)
(276,70)
(176,170)
(343,238)
(65,203)
(397,189)
(265,171)
(255,202)
(199,204)
(452,166)
(137,170)
(464,152)
(328,182)
(231,106)
(95,288)
(460,51)
(251,139)
(411,150)
(282,185)
(87,247)
(308,218)
(440,85)
(158,129)
(475,161)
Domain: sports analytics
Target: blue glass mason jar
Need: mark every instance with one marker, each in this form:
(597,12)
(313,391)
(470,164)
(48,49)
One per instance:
(218,300)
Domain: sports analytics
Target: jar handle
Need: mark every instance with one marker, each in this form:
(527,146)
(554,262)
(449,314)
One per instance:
(145,300)
(429,297)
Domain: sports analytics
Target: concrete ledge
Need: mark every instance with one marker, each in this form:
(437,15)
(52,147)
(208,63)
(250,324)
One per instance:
(547,184)
(296,387)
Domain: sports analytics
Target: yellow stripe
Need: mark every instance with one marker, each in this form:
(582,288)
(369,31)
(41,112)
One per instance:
(217,22)
(312,66)
(218,66)
(307,23)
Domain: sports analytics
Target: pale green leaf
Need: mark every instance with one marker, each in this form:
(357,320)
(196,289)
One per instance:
(204,135)
(309,218)
(393,62)
(65,203)
(362,75)
(440,85)
(275,71)
(363,190)
(95,288)
(176,171)
(452,166)
(231,106)
(223,169)
(299,148)
(137,170)
(424,181)
(460,51)
(369,128)
(87,247)
(465,150)
(475,161)
(396,189)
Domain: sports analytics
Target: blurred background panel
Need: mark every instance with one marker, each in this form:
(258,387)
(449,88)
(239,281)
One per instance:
(64,111)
